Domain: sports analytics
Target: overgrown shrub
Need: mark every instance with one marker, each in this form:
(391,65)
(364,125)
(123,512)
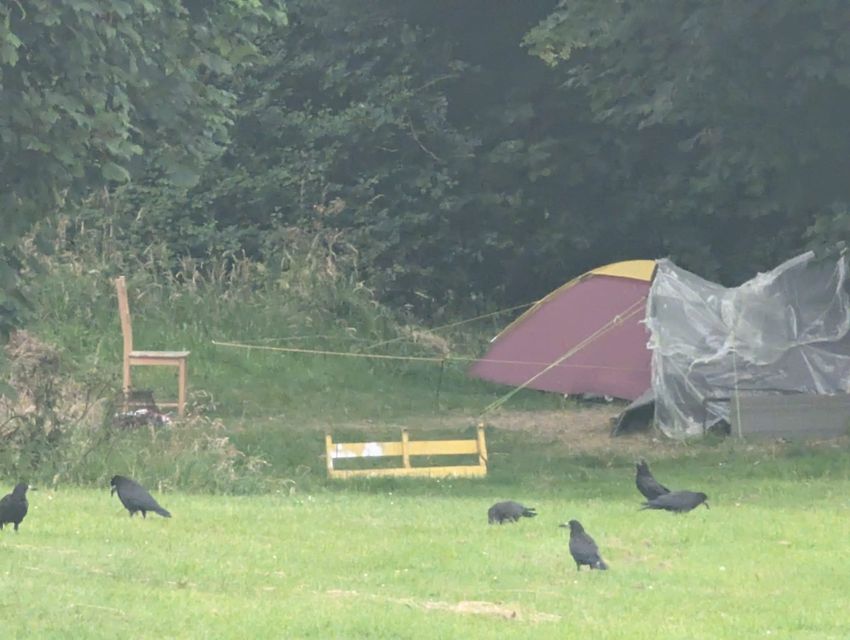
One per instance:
(45,405)
(59,425)
(193,455)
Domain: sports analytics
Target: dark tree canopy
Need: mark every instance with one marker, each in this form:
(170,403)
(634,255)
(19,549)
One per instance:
(738,107)
(466,153)
(93,91)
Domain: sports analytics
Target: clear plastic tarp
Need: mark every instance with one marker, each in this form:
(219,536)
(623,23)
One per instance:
(784,331)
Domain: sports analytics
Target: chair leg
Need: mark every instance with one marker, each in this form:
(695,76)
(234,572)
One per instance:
(181,387)
(127,385)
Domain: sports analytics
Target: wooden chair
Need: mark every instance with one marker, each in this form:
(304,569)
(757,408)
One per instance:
(148,358)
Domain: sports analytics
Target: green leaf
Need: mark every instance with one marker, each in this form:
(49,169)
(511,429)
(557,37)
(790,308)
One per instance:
(183,176)
(115,172)
(9,48)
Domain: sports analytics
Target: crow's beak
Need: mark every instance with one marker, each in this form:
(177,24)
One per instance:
(112,491)
(564,525)
(31,488)
(706,505)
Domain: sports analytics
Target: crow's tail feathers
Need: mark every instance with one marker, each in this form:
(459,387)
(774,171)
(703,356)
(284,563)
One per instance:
(162,512)
(529,512)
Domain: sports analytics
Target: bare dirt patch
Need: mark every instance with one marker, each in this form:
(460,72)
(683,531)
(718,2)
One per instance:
(587,430)
(582,430)
(579,430)
(474,607)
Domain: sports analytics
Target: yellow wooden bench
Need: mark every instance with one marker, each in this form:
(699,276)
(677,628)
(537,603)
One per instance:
(405,449)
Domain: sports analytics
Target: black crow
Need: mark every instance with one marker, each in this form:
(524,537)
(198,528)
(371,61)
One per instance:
(508,511)
(13,506)
(583,548)
(647,484)
(135,497)
(677,501)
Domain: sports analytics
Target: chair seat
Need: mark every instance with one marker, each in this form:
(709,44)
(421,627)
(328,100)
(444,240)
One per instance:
(160,354)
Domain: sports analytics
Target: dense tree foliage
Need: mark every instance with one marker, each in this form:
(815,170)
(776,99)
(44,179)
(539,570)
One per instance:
(459,158)
(738,106)
(95,91)
(345,131)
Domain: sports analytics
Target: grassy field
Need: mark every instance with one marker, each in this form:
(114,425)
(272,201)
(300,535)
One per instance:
(416,559)
(262,545)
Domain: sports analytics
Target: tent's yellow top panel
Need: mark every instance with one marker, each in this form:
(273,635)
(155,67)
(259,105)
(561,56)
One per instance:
(635,269)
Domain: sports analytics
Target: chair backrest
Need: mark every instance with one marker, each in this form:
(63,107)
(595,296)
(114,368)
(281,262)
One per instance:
(124,313)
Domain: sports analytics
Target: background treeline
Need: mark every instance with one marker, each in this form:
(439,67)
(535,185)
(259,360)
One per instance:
(459,154)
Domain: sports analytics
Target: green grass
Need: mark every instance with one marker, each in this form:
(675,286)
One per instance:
(299,556)
(404,559)
(77,311)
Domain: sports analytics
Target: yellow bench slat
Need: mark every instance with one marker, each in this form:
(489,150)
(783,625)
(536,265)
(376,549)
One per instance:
(405,450)
(441,447)
(342,450)
(430,472)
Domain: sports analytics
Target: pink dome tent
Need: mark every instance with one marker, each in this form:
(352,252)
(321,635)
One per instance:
(586,337)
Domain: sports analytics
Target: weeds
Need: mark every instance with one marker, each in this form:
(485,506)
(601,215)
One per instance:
(305,292)
(48,409)
(61,425)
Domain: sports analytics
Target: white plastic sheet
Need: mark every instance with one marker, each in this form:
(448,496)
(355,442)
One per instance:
(784,331)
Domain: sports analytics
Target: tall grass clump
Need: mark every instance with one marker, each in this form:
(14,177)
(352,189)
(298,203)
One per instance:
(304,293)
(61,423)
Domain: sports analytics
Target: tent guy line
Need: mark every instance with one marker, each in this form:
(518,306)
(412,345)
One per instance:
(617,320)
(591,316)
(381,356)
(635,308)
(459,323)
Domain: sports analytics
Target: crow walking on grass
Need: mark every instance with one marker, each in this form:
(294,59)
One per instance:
(135,497)
(508,511)
(677,501)
(582,547)
(13,506)
(646,482)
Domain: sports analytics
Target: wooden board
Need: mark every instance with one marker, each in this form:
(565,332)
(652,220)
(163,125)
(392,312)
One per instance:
(798,416)
(472,470)
(405,449)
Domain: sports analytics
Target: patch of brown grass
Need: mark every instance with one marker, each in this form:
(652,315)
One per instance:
(470,607)
(46,398)
(580,430)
